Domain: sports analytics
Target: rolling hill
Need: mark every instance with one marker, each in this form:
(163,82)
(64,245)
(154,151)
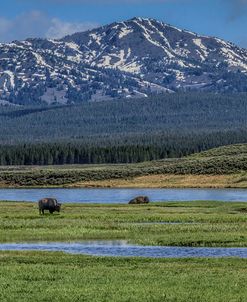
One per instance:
(220,167)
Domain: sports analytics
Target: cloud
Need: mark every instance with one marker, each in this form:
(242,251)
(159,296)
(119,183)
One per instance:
(37,24)
(59,29)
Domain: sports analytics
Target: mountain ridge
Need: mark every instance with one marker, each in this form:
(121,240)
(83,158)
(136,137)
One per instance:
(134,58)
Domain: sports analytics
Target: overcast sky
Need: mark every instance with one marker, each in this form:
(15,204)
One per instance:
(20,19)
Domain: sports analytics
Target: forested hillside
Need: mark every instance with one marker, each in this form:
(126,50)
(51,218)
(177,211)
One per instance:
(123,131)
(173,114)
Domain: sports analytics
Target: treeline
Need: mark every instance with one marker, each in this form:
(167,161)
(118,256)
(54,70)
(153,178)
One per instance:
(136,149)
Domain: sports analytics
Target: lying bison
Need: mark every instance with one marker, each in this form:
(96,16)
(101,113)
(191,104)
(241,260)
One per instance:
(49,204)
(140,200)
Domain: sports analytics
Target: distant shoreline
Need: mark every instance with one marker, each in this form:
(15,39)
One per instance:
(165,181)
(224,167)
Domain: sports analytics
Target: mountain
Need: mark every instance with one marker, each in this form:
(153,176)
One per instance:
(135,58)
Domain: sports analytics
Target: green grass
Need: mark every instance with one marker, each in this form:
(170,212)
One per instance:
(207,223)
(48,276)
(34,276)
(231,150)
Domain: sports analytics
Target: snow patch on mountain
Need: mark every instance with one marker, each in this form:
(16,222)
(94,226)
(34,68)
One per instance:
(134,58)
(11,78)
(124,32)
(40,60)
(203,49)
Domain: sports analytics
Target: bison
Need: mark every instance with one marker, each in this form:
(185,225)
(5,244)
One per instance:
(140,200)
(49,204)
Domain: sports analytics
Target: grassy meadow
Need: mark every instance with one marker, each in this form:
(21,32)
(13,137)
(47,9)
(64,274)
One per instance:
(202,223)
(48,276)
(34,276)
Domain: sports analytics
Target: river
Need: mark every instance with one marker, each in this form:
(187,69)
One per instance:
(110,196)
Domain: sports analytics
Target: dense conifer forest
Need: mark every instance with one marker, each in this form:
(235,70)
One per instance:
(112,152)
(123,131)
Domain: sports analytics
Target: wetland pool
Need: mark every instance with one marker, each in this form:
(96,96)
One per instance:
(122,248)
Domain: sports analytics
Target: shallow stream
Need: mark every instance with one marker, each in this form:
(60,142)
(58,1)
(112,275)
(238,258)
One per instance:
(125,249)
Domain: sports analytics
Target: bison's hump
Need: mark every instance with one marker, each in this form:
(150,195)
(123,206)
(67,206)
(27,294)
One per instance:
(48,202)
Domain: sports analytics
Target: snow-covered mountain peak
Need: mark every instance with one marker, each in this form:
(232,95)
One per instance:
(133,58)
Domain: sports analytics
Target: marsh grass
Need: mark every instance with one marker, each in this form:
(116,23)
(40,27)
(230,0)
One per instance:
(59,277)
(201,223)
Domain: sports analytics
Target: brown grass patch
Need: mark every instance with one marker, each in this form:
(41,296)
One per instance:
(171,181)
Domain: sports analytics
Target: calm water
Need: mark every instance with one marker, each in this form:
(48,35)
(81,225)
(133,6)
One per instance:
(122,195)
(123,249)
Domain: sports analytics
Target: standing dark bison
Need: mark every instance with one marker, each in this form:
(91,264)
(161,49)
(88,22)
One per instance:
(49,204)
(140,200)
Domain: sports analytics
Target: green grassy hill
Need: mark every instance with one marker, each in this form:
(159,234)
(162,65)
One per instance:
(229,160)
(231,150)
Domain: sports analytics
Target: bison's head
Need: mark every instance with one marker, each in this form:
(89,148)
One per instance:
(146,199)
(58,207)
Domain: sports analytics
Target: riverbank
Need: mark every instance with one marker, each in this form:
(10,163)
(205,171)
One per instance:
(197,223)
(168,181)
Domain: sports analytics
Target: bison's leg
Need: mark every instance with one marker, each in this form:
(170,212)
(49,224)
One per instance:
(51,211)
(43,211)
